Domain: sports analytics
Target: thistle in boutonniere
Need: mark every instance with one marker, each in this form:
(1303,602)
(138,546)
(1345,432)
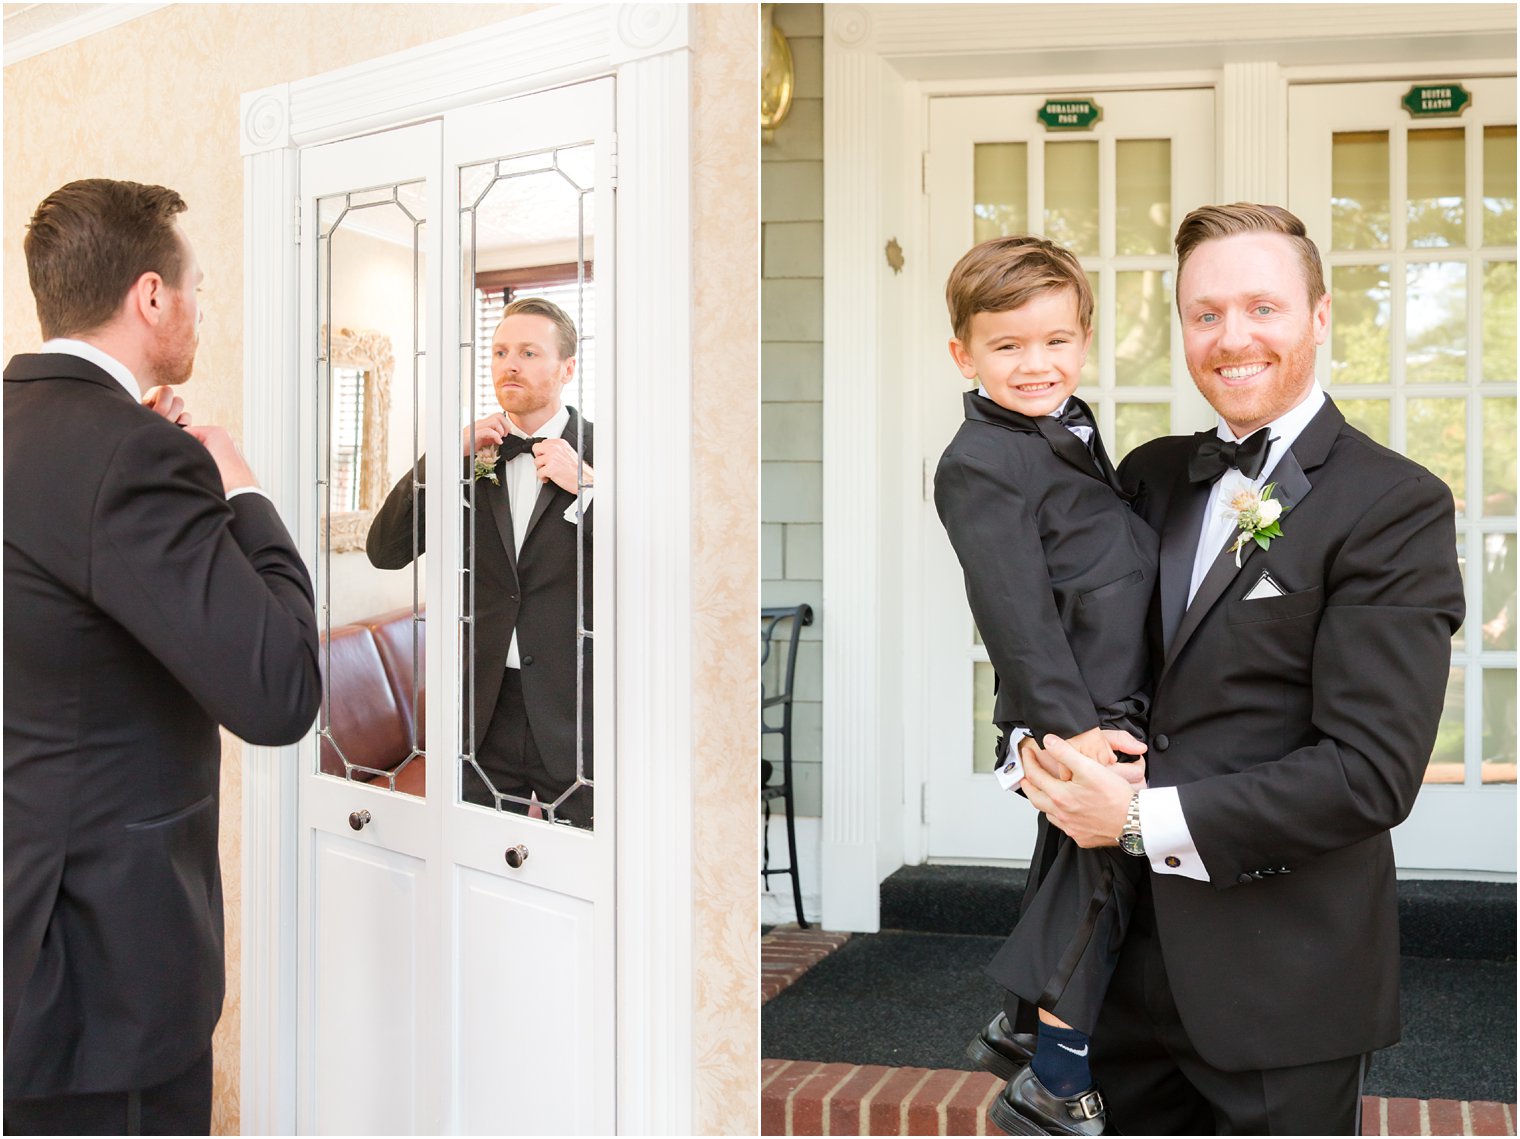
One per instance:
(485,464)
(1257,514)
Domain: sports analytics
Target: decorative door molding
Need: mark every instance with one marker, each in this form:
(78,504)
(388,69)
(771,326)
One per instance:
(646,47)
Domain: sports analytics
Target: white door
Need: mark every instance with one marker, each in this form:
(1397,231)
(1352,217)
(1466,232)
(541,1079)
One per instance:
(456,960)
(1113,194)
(1415,218)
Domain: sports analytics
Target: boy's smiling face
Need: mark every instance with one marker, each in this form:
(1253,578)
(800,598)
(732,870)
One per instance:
(1028,358)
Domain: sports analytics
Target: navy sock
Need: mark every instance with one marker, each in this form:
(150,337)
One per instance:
(1060,1060)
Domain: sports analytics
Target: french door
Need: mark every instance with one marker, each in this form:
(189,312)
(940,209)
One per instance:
(456,958)
(1113,194)
(1416,221)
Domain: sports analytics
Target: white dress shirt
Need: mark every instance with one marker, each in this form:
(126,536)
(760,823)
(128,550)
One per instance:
(1162,825)
(520,478)
(118,372)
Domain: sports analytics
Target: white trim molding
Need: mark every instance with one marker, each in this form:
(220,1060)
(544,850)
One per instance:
(32,29)
(646,46)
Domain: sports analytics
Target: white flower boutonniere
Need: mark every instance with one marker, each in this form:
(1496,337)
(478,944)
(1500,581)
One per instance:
(1257,514)
(485,464)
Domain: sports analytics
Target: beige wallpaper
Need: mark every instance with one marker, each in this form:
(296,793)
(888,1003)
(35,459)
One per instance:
(725,455)
(156,100)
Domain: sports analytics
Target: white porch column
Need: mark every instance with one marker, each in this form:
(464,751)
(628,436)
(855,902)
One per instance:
(1253,134)
(852,705)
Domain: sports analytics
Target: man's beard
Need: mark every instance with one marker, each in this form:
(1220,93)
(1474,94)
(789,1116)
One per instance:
(173,356)
(1254,407)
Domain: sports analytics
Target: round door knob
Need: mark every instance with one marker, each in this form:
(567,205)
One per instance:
(358,819)
(517,855)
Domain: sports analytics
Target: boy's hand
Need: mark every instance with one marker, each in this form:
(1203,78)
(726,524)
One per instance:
(1094,745)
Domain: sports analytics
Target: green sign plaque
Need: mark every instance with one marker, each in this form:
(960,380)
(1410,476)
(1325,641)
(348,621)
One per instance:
(1436,100)
(1069,114)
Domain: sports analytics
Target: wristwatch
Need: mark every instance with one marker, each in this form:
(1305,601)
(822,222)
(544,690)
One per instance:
(1131,841)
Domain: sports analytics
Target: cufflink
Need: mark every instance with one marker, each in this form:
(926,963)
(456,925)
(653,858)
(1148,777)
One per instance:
(1173,861)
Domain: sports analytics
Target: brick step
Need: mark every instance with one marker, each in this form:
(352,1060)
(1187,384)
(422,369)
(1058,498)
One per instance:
(802,1097)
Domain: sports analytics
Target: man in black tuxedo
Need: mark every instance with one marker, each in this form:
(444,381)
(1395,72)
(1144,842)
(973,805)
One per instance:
(151,594)
(526,540)
(1298,689)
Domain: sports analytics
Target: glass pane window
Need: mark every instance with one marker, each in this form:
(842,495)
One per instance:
(984,735)
(1359,196)
(1498,725)
(1437,440)
(1143,328)
(1135,423)
(1361,307)
(1499,185)
(1499,321)
(1447,758)
(1499,457)
(1143,196)
(1370,415)
(1435,322)
(1437,174)
(1001,176)
(1071,195)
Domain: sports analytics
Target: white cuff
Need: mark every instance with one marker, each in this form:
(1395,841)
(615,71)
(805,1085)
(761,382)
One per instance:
(1168,842)
(1011,774)
(569,515)
(231,494)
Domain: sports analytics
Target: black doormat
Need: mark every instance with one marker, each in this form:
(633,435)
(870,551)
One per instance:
(914,999)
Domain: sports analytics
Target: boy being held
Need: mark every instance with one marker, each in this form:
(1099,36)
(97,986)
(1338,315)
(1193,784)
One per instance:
(1059,574)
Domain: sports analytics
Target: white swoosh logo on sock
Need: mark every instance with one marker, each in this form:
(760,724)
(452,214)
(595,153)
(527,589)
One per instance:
(1072,1050)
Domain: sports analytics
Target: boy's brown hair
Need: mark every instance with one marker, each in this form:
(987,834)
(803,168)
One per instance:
(1006,272)
(89,242)
(1209,223)
(564,327)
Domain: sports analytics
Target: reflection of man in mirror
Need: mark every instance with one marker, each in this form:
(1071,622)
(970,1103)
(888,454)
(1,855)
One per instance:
(525,536)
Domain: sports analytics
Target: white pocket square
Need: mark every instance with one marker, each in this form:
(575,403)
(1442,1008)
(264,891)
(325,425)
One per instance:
(1264,587)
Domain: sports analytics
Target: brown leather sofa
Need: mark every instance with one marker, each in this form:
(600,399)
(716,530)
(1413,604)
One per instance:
(374,702)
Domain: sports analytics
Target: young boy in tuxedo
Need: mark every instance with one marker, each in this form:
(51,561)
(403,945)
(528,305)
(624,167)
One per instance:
(1033,508)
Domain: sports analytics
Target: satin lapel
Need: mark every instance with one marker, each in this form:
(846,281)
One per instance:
(1067,446)
(1289,486)
(500,513)
(548,490)
(1179,542)
(1106,466)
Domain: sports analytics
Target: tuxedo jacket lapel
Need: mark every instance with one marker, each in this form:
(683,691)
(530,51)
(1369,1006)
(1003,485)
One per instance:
(1290,486)
(1179,542)
(1067,446)
(501,513)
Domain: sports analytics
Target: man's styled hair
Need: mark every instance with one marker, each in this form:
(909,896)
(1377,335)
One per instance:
(1001,274)
(564,327)
(1209,223)
(90,241)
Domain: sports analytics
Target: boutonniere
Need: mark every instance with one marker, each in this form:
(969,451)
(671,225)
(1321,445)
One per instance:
(485,464)
(1257,514)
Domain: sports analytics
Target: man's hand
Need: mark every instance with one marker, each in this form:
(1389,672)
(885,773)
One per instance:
(234,469)
(1089,803)
(1098,744)
(556,463)
(487,432)
(165,402)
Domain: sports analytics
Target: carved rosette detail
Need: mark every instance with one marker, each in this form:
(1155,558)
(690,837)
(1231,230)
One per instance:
(644,26)
(266,122)
(851,26)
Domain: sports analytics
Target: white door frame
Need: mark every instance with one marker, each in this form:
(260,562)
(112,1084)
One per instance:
(647,48)
(881,63)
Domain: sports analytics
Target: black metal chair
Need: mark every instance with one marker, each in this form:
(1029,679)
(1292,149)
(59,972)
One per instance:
(781,697)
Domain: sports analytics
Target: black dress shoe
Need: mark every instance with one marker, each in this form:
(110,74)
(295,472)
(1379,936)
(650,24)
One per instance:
(1027,1107)
(1001,1050)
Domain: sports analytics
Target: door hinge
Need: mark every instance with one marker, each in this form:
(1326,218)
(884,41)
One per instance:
(923,173)
(923,802)
(613,162)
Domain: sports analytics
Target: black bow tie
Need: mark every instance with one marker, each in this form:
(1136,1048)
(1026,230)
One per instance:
(514,445)
(1214,456)
(1075,415)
